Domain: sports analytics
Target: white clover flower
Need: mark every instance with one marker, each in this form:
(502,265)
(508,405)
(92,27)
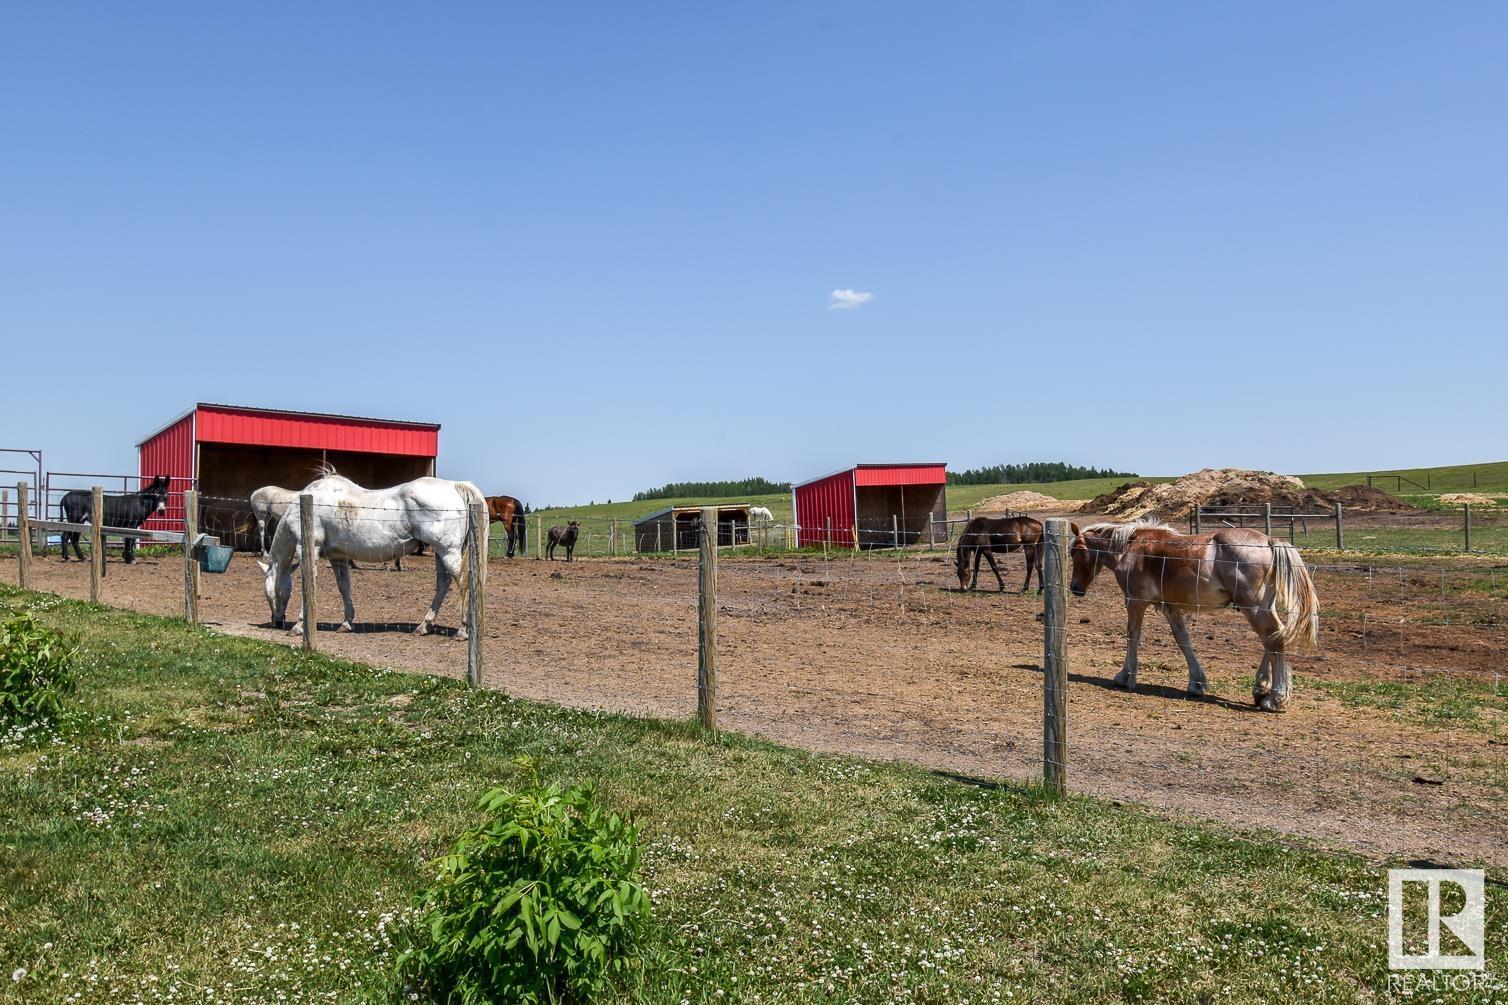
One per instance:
(17,974)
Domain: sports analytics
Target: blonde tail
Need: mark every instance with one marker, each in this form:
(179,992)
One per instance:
(471,495)
(1297,601)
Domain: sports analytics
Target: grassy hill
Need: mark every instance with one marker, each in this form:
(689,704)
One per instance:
(1489,477)
(221,814)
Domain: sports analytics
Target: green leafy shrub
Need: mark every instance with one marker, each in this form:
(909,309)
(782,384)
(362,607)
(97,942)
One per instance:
(36,670)
(540,903)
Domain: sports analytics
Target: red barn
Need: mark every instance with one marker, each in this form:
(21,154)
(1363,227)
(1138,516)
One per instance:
(227,451)
(887,504)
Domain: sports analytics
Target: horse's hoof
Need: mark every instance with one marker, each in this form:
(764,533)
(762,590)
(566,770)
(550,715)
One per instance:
(1271,703)
(297,629)
(1196,690)
(1122,681)
(422,628)
(345,626)
(462,634)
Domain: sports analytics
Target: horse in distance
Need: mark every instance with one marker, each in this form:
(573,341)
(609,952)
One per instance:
(988,536)
(509,512)
(125,509)
(1262,577)
(564,537)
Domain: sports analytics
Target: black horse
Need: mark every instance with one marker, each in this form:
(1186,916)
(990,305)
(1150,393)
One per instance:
(563,536)
(128,509)
(987,536)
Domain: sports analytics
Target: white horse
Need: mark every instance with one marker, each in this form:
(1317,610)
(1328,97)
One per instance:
(760,517)
(268,503)
(375,525)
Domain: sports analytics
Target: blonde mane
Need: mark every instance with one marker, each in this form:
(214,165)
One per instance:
(1120,534)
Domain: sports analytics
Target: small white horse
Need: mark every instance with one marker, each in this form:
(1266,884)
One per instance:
(269,503)
(374,525)
(760,517)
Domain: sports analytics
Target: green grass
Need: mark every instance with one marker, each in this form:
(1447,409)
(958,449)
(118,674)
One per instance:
(1446,701)
(230,815)
(1490,477)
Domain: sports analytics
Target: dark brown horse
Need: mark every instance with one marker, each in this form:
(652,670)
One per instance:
(564,537)
(986,536)
(509,512)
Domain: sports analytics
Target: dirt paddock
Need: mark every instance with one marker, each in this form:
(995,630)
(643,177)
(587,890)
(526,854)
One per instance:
(884,658)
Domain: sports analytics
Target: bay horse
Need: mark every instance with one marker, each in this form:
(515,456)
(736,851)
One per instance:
(126,509)
(1262,577)
(988,536)
(563,536)
(374,525)
(509,512)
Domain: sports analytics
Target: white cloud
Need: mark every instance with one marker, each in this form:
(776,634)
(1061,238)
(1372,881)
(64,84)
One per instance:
(847,300)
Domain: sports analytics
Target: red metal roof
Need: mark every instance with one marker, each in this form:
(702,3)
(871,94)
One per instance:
(271,427)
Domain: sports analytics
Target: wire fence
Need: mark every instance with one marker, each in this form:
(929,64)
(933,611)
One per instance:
(1395,738)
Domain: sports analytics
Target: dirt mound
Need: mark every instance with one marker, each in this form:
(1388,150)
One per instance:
(1366,499)
(1027,502)
(1233,487)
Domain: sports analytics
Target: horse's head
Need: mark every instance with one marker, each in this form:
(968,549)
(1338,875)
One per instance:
(963,565)
(572,524)
(1089,550)
(277,585)
(159,490)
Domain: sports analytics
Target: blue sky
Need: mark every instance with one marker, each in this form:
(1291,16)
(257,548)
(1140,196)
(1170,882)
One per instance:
(598,242)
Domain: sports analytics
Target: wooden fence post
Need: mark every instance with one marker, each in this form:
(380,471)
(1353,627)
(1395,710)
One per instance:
(307,558)
(828,540)
(1196,518)
(1466,524)
(23,525)
(658,525)
(96,541)
(1340,532)
(1055,658)
(476,586)
(895,531)
(706,643)
(855,535)
(1267,519)
(4,513)
(190,560)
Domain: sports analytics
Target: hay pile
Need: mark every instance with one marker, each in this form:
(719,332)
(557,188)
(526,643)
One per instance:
(1027,502)
(1470,498)
(1232,487)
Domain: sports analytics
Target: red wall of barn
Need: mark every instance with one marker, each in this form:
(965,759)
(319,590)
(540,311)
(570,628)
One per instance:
(901,474)
(170,452)
(310,432)
(816,502)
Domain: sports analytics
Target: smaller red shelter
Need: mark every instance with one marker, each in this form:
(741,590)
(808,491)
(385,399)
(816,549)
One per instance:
(228,451)
(873,506)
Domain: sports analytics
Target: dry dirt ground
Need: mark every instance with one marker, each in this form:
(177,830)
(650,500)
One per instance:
(885,658)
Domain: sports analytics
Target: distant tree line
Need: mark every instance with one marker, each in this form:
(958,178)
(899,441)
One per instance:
(743,487)
(1031,472)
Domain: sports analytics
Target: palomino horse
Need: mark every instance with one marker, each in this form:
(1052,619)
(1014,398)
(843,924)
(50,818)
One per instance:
(1265,579)
(987,536)
(374,525)
(509,512)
